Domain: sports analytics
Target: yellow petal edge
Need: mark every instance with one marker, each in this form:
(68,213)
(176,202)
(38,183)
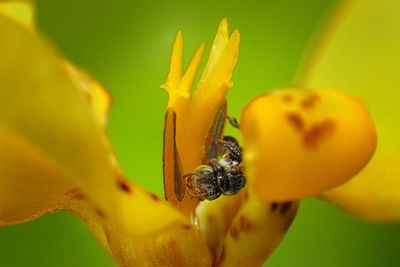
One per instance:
(359,54)
(300,142)
(54,155)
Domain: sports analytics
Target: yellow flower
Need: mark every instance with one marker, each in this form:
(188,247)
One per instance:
(358,53)
(54,153)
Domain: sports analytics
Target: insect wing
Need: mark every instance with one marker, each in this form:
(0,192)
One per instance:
(174,186)
(215,133)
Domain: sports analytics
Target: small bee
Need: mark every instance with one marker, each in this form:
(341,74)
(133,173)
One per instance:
(221,171)
(223,176)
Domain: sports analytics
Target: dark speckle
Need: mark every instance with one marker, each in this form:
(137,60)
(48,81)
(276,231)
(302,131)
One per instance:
(76,194)
(246,196)
(318,132)
(274,206)
(186,227)
(310,101)
(244,225)
(154,197)
(234,232)
(287,99)
(295,120)
(100,213)
(124,186)
(285,207)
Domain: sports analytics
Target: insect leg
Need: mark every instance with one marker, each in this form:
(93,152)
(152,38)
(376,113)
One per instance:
(233,121)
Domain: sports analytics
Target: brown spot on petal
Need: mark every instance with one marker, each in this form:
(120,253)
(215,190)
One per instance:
(287,99)
(100,213)
(154,197)
(124,186)
(234,232)
(186,227)
(210,218)
(310,101)
(274,206)
(244,225)
(295,120)
(285,207)
(318,132)
(246,196)
(76,193)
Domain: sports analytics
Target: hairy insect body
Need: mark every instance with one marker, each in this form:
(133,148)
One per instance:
(220,176)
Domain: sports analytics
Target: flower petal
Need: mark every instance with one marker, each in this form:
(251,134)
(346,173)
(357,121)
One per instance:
(178,88)
(54,156)
(209,96)
(300,142)
(195,116)
(360,54)
(20,11)
(51,142)
(259,225)
(213,219)
(230,224)
(177,244)
(96,95)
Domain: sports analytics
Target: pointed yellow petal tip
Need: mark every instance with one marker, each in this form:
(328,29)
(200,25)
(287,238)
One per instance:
(223,26)
(175,66)
(298,143)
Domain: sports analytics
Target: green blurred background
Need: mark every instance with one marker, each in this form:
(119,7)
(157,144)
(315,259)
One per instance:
(126,45)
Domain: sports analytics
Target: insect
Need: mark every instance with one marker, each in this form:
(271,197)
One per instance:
(223,176)
(221,172)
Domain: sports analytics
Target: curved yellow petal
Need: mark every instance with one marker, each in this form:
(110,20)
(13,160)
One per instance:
(256,231)
(300,142)
(30,184)
(210,95)
(51,142)
(95,94)
(359,54)
(21,11)
(178,88)
(178,244)
(213,219)
(241,230)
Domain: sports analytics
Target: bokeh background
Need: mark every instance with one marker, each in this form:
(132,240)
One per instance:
(126,45)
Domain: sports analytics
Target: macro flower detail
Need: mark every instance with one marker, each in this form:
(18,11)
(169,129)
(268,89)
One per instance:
(55,154)
(47,166)
(324,146)
(359,55)
(227,224)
